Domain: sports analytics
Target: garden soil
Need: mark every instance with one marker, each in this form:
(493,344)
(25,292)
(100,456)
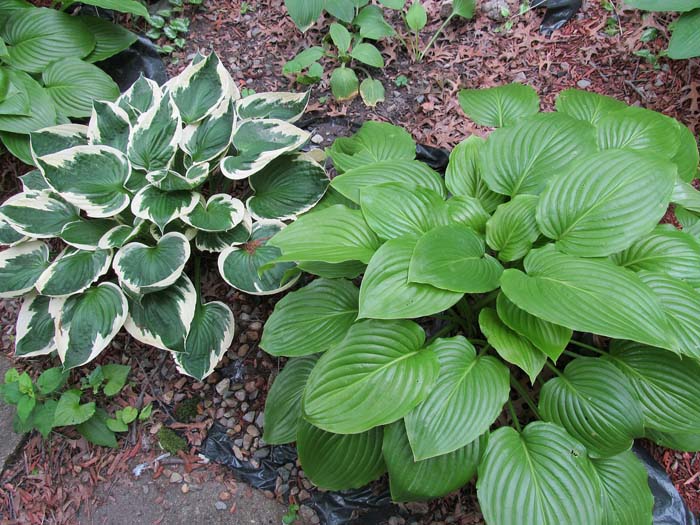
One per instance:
(66,480)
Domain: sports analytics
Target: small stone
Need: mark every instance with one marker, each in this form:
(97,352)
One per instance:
(249,417)
(250,386)
(224,495)
(238,442)
(317,139)
(247,440)
(496,10)
(237,452)
(259,421)
(261,453)
(253,430)
(520,77)
(257,325)
(315,520)
(220,505)
(240,395)
(304,495)
(185,488)
(222,386)
(175,477)
(583,83)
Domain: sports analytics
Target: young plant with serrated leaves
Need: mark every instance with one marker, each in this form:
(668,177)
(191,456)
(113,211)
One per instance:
(140,199)
(475,284)
(49,403)
(685,35)
(172,24)
(48,71)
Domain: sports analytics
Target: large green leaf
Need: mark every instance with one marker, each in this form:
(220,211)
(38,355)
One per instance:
(344,270)
(35,330)
(523,157)
(685,40)
(87,322)
(210,335)
(453,258)
(463,174)
(375,376)
(42,112)
(411,480)
(134,7)
(254,268)
(21,266)
(468,211)
(609,209)
(499,106)
(287,187)
(38,214)
(675,440)
(220,213)
(374,142)
(548,337)
(541,476)
(634,128)
(584,105)
(311,320)
(283,412)
(73,272)
(304,12)
(512,229)
(408,172)
(163,319)
(372,23)
(144,269)
(596,404)
(627,498)
(468,396)
(663,5)
(510,345)
(332,235)
(387,293)
(339,462)
(89,177)
(37,37)
(163,207)
(588,295)
(687,157)
(283,106)
(110,38)
(665,384)
(73,84)
(211,137)
(393,209)
(155,136)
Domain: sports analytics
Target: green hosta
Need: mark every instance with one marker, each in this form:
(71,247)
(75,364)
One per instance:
(475,284)
(685,37)
(112,229)
(47,66)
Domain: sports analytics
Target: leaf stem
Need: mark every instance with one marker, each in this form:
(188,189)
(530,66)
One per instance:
(485,301)
(523,393)
(421,54)
(514,416)
(572,354)
(554,369)
(588,347)
(443,331)
(483,350)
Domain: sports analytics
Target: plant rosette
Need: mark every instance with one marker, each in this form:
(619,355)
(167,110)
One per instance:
(476,283)
(112,229)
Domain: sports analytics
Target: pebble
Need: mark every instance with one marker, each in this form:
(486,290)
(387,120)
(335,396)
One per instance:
(261,453)
(185,488)
(175,477)
(520,77)
(237,452)
(304,495)
(240,395)
(222,386)
(224,496)
(317,139)
(494,9)
(253,430)
(257,325)
(249,417)
(260,420)
(220,505)
(247,440)
(583,83)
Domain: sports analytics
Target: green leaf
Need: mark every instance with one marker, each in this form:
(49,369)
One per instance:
(18,146)
(35,330)
(37,37)
(95,430)
(393,4)
(386,292)
(116,425)
(511,346)
(143,95)
(416,16)
(162,319)
(453,258)
(463,174)
(89,177)
(685,41)
(133,7)
(34,181)
(367,54)
(241,266)
(73,271)
(57,138)
(144,269)
(110,38)
(85,234)
(686,195)
(596,404)
(128,414)
(635,128)
(40,114)
(468,396)
(412,480)
(115,375)
(586,106)
(375,141)
(372,92)
(688,156)
(311,320)
(25,407)
(288,186)
(663,5)
(87,322)
(341,37)
(219,241)
(522,158)
(284,106)
(664,384)
(163,207)
(220,213)
(344,83)
(375,376)
(406,172)
(372,24)
(145,413)
(43,416)
(340,9)
(51,380)
(304,12)
(39,214)
(393,209)
(499,106)
(8,235)
(336,234)
(614,207)
(675,440)
(338,462)
(588,295)
(172,181)
(627,498)
(21,266)
(70,411)
(155,137)
(548,337)
(344,270)
(210,335)
(304,59)
(469,212)
(464,8)
(512,229)
(109,125)
(283,412)
(553,463)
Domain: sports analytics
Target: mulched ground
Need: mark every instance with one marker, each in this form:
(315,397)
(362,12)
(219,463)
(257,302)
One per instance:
(49,482)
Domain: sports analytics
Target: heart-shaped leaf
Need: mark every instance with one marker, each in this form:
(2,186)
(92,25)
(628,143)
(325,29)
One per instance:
(211,137)
(685,42)
(86,234)
(38,214)
(635,128)
(155,137)
(35,328)
(109,125)
(163,207)
(469,212)
(219,241)
(110,38)
(73,272)
(587,106)
(512,229)
(57,138)
(40,114)
(69,410)
(21,266)
(499,106)
(143,95)
(220,213)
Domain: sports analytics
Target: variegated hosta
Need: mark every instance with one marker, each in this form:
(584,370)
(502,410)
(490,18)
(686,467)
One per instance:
(106,231)
(549,226)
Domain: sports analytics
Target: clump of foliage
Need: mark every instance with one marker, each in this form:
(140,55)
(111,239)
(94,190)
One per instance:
(137,199)
(359,21)
(685,36)
(171,441)
(171,23)
(475,283)
(186,410)
(48,403)
(47,66)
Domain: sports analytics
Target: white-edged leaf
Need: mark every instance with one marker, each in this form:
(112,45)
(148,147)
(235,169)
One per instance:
(38,214)
(219,241)
(35,330)
(155,137)
(21,266)
(211,137)
(143,95)
(57,138)
(85,234)
(73,272)
(220,213)
(282,106)
(169,180)
(499,106)
(109,125)
(162,207)
(8,235)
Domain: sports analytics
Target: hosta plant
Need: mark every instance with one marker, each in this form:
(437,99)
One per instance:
(113,228)
(685,32)
(485,287)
